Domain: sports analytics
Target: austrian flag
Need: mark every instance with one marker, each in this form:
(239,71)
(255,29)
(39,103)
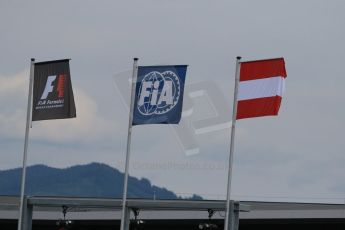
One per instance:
(261,88)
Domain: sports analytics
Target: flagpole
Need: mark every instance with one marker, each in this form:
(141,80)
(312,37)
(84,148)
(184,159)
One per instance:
(26,142)
(232,144)
(129,137)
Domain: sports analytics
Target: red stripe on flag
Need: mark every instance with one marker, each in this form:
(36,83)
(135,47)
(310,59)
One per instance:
(252,70)
(61,85)
(259,107)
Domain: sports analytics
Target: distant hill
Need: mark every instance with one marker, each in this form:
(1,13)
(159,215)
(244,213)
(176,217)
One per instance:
(92,180)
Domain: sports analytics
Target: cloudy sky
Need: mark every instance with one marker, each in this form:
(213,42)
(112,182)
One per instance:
(298,155)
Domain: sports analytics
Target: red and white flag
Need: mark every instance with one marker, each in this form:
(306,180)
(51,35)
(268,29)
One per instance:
(261,88)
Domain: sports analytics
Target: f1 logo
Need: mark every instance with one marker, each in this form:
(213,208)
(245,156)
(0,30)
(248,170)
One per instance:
(49,88)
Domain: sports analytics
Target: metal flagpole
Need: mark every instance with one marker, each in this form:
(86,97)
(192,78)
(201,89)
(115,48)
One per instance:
(232,143)
(27,129)
(129,137)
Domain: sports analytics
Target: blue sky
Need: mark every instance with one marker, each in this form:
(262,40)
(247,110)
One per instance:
(298,155)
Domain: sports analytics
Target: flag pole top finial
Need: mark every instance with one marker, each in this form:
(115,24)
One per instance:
(238,57)
(136,59)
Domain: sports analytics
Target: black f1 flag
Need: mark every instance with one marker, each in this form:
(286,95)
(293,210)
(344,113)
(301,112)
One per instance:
(52,91)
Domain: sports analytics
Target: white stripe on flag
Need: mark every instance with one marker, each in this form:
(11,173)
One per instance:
(266,87)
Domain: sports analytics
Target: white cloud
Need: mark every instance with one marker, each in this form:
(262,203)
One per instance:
(88,125)
(13,92)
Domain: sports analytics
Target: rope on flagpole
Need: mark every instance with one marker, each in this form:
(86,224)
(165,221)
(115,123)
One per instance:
(26,143)
(232,143)
(129,137)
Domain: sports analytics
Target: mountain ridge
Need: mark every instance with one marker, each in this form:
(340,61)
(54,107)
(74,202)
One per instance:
(91,180)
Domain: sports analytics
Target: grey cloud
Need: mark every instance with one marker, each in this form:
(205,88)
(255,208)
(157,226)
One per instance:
(102,39)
